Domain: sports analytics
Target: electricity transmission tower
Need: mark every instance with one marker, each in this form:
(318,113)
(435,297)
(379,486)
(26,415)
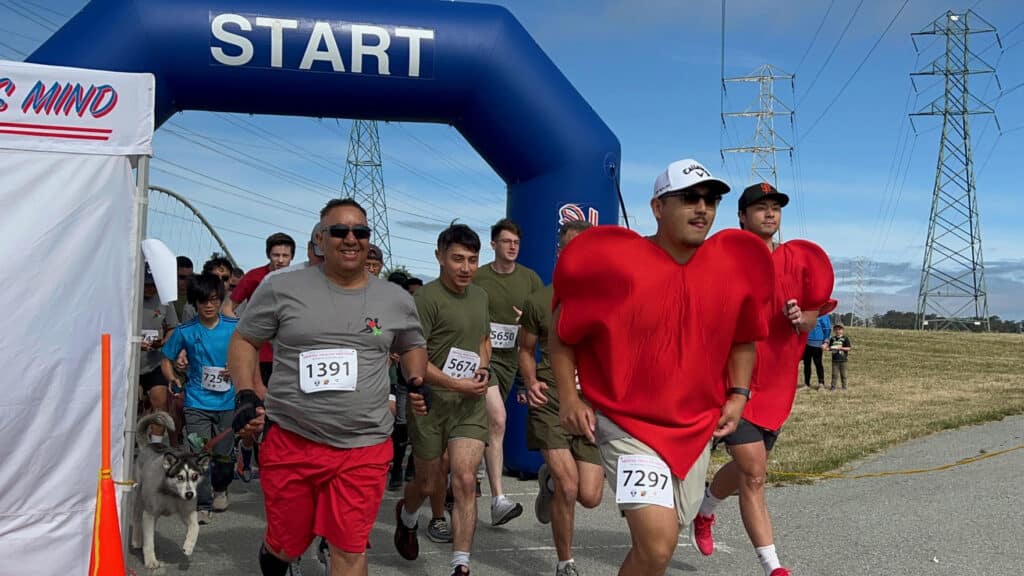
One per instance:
(364,181)
(766,140)
(861,315)
(952,292)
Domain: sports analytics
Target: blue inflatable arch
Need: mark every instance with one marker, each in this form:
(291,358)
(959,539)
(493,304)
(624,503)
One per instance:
(469,65)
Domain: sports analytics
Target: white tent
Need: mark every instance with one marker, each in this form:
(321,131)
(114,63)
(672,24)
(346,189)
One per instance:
(71,217)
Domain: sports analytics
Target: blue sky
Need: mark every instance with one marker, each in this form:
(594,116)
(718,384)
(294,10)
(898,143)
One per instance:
(651,69)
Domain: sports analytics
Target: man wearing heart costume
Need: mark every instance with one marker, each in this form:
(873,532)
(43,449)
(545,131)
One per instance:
(803,291)
(662,332)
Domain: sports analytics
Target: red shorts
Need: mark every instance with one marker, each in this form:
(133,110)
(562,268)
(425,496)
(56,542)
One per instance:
(312,489)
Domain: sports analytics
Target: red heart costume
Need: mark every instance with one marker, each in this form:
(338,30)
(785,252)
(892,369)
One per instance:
(802,272)
(652,336)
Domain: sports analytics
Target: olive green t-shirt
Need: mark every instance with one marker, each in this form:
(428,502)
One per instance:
(451,320)
(537,320)
(504,293)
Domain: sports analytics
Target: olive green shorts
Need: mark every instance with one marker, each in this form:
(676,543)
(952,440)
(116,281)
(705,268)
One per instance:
(452,415)
(503,376)
(544,432)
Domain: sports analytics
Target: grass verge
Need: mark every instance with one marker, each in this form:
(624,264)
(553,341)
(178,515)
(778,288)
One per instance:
(903,385)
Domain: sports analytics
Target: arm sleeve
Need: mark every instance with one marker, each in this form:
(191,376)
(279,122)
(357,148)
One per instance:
(173,346)
(529,321)
(260,321)
(426,310)
(410,333)
(245,289)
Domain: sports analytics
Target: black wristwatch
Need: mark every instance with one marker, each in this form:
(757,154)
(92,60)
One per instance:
(741,391)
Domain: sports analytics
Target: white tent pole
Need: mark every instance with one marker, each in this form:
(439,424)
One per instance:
(134,340)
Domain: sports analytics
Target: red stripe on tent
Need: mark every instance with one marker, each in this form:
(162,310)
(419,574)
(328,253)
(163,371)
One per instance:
(52,127)
(56,135)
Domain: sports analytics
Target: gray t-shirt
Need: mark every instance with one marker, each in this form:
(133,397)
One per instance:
(304,311)
(158,317)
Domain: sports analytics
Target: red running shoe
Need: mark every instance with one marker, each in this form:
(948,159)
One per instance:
(702,535)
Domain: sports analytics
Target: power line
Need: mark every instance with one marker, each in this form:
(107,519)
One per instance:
(31,16)
(831,53)
(815,37)
(859,66)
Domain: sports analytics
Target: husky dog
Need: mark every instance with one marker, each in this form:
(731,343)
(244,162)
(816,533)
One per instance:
(167,485)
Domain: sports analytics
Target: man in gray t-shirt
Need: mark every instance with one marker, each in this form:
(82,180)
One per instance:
(326,448)
(304,312)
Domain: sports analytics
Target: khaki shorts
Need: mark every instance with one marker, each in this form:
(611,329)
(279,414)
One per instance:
(452,415)
(688,492)
(503,377)
(544,432)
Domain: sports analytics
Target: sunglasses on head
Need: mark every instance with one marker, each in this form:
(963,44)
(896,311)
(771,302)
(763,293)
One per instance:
(693,196)
(341,231)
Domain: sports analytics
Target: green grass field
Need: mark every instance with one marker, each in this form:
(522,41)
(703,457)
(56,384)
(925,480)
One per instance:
(903,385)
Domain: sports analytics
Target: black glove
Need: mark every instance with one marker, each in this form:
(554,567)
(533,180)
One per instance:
(246,402)
(423,389)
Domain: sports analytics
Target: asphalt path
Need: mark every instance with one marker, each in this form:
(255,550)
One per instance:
(965,521)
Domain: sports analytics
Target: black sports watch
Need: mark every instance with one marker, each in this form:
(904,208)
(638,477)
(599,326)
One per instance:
(741,391)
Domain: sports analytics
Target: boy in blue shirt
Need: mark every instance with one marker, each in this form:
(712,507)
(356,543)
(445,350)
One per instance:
(209,392)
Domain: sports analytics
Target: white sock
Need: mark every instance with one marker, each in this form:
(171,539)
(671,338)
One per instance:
(707,507)
(564,563)
(769,560)
(410,519)
(156,438)
(460,559)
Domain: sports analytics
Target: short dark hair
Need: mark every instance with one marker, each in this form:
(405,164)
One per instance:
(341,203)
(204,288)
(398,277)
(185,262)
(571,226)
(414,281)
(218,262)
(458,234)
(505,224)
(236,271)
(280,239)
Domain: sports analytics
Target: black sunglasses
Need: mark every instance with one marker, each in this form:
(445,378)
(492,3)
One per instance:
(341,231)
(692,197)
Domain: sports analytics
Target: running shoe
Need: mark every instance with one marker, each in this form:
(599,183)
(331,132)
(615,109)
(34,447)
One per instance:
(406,542)
(439,531)
(780,572)
(702,538)
(504,510)
(220,501)
(461,570)
(568,570)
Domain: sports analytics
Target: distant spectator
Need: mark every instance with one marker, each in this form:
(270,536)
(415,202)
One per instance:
(236,277)
(816,343)
(374,260)
(314,256)
(413,284)
(220,267)
(840,346)
(185,273)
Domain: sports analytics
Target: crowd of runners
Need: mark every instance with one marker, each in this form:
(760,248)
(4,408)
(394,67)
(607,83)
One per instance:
(642,356)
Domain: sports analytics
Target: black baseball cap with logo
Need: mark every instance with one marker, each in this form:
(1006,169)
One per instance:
(761,191)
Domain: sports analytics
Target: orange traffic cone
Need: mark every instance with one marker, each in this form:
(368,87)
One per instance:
(106,558)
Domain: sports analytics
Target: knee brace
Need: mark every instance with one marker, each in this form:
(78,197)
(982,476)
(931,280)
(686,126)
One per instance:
(271,565)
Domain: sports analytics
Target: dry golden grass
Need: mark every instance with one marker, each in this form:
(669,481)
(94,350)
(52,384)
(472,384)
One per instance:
(903,385)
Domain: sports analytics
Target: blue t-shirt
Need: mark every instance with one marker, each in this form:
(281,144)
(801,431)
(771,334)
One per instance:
(821,332)
(206,348)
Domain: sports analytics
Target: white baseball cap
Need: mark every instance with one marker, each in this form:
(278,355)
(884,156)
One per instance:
(685,173)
